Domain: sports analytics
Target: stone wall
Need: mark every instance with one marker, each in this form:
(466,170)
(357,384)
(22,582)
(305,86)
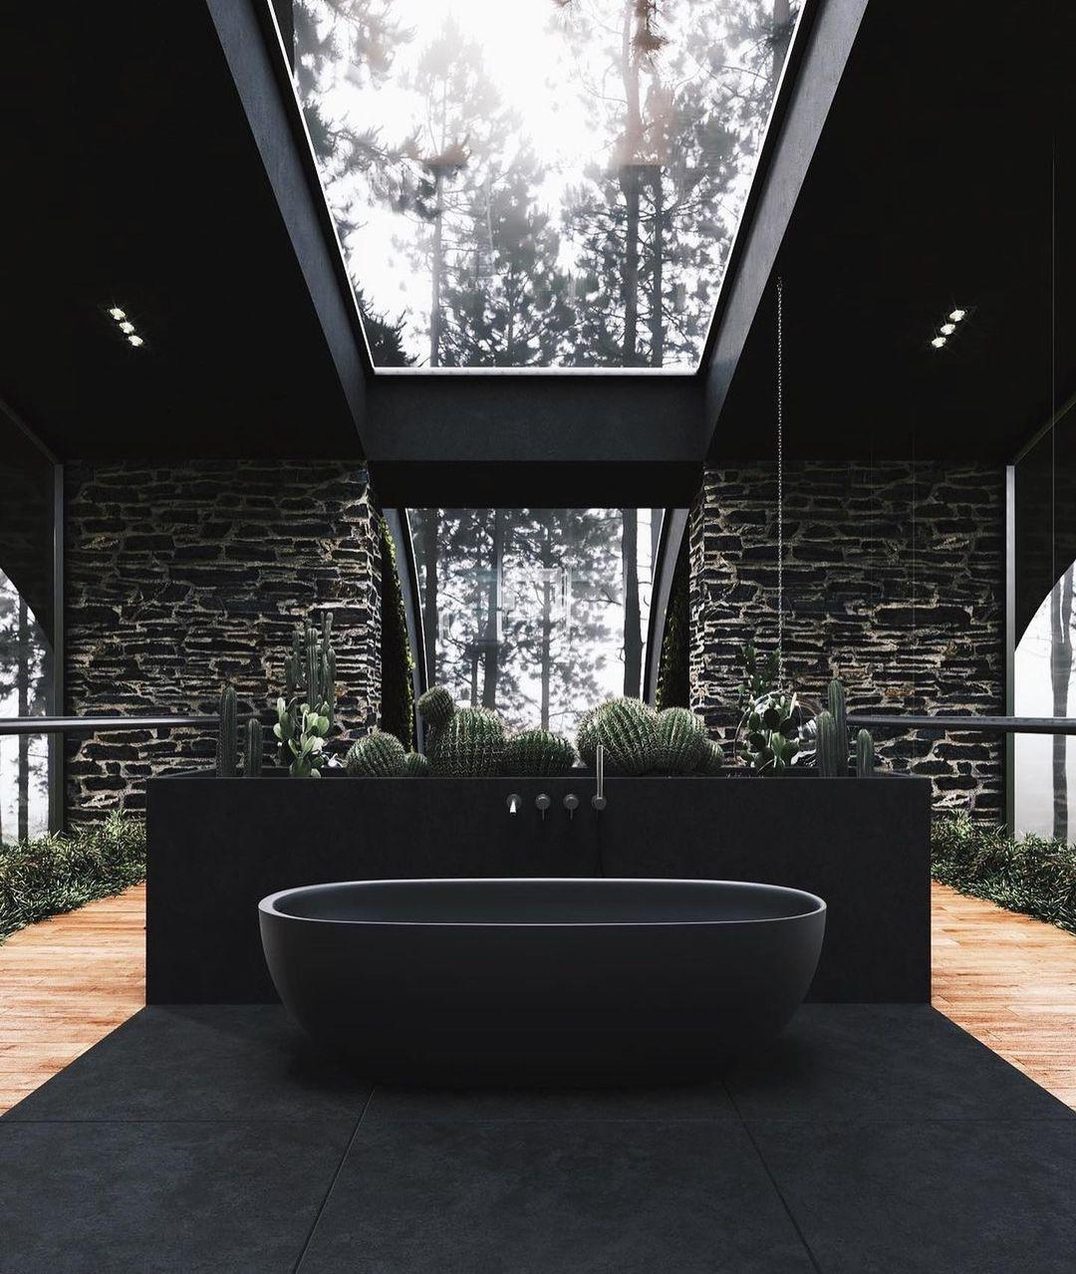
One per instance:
(181,577)
(894,578)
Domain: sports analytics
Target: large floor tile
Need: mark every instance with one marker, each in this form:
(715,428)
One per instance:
(688,1101)
(200,1062)
(948,1197)
(91,1198)
(542,1197)
(883,1061)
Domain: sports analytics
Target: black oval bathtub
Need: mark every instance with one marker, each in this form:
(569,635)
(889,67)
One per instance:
(541,980)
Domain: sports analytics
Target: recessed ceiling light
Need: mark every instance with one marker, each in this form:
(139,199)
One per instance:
(947,329)
(957,315)
(129,328)
(938,342)
(135,340)
(117,313)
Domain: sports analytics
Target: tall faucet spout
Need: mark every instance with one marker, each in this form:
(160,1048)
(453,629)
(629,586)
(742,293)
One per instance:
(598,799)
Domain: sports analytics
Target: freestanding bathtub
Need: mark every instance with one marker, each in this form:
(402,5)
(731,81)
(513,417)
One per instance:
(467,981)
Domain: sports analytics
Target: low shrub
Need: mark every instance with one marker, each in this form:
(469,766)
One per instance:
(1035,875)
(53,874)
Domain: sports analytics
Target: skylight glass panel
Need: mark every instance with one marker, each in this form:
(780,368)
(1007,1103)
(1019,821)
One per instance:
(541,183)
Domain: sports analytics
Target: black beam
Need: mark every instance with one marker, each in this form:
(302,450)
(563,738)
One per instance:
(90,725)
(970,725)
(819,54)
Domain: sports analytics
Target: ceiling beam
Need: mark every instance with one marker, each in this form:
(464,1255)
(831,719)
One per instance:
(819,55)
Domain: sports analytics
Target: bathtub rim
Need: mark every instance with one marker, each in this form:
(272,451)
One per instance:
(267,905)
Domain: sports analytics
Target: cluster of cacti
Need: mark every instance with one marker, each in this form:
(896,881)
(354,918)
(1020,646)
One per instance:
(864,754)
(305,716)
(253,748)
(769,733)
(227,733)
(628,730)
(827,748)
(681,742)
(378,756)
(537,753)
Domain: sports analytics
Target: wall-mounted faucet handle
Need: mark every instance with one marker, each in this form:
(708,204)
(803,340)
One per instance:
(598,799)
(514,803)
(542,803)
(571,804)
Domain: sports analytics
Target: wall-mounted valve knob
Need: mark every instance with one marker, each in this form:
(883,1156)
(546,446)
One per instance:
(571,804)
(542,803)
(514,803)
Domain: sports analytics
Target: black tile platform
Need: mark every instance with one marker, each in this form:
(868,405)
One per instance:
(872,1138)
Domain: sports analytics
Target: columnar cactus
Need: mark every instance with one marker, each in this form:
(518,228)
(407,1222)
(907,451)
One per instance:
(305,715)
(629,732)
(827,755)
(470,744)
(378,756)
(253,748)
(711,758)
(537,753)
(839,712)
(681,740)
(416,766)
(227,734)
(864,754)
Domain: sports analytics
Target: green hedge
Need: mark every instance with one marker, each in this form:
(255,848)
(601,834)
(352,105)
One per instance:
(1033,875)
(43,877)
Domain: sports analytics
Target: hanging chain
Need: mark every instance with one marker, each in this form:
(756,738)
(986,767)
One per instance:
(780,484)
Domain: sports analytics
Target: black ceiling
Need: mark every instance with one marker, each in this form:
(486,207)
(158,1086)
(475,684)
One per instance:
(930,189)
(137,181)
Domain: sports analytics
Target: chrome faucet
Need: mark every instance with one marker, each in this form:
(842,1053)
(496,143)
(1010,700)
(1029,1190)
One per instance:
(598,800)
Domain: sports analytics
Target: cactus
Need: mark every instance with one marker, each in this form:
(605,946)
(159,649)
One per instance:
(470,744)
(307,713)
(681,741)
(378,756)
(537,753)
(864,754)
(227,734)
(768,737)
(827,755)
(435,707)
(253,747)
(711,758)
(836,704)
(416,766)
(628,730)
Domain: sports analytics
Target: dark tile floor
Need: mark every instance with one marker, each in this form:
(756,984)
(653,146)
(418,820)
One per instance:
(869,1139)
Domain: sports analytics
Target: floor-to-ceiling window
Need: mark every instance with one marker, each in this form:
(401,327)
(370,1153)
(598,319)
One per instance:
(538,613)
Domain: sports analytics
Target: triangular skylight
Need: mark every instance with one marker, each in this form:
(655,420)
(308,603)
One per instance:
(541,183)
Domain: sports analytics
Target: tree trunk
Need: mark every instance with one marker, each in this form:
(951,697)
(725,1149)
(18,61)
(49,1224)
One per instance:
(1060,675)
(657,315)
(547,624)
(436,270)
(492,643)
(22,673)
(629,184)
(782,34)
(633,640)
(428,541)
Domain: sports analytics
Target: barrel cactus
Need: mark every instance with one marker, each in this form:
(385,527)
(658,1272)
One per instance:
(628,729)
(416,766)
(537,753)
(711,758)
(864,754)
(227,735)
(470,744)
(681,738)
(436,706)
(378,756)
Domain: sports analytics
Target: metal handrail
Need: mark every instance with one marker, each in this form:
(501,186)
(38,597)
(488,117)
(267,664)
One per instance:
(985,725)
(89,725)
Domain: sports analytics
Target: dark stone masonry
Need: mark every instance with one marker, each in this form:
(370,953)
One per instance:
(181,577)
(894,578)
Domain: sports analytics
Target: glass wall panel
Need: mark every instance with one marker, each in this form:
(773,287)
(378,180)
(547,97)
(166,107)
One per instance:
(537,613)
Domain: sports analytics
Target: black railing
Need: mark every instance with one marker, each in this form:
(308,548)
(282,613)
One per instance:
(90,725)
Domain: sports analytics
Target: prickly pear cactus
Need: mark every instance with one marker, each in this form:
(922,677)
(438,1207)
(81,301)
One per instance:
(470,744)
(681,738)
(378,756)
(711,758)
(537,753)
(416,766)
(628,729)
(769,732)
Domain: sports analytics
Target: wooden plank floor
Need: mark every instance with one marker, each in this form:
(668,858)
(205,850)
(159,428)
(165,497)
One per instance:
(65,983)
